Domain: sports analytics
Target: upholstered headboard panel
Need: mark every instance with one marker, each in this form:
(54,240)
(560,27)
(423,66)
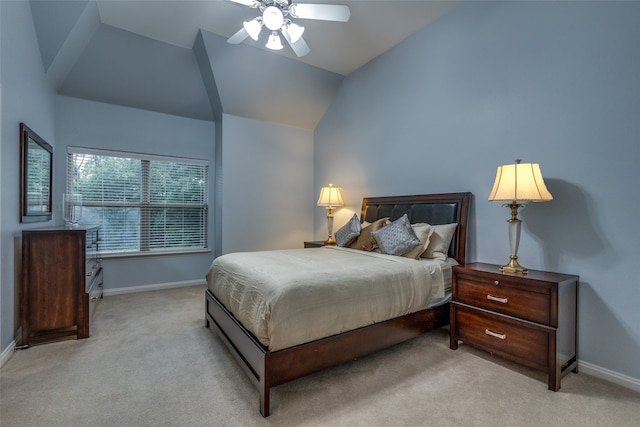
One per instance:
(434,209)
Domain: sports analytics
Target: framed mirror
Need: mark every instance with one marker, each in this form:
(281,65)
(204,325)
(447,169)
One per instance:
(36,159)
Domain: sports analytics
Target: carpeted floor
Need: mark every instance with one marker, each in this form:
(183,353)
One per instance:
(151,362)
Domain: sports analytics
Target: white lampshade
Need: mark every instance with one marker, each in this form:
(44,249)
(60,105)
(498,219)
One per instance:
(295,32)
(253,27)
(519,182)
(274,42)
(331,196)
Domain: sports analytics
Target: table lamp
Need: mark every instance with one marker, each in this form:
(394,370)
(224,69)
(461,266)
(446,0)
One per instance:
(331,197)
(516,183)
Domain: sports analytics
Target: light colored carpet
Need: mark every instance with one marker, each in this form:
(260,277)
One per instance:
(151,362)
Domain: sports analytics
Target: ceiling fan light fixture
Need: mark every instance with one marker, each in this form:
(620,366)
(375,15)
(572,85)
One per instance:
(274,42)
(273,18)
(253,27)
(295,32)
(276,14)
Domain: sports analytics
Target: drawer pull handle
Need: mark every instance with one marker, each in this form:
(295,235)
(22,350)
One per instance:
(495,334)
(89,273)
(497,299)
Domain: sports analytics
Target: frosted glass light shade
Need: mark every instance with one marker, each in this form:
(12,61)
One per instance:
(274,42)
(253,27)
(273,18)
(295,32)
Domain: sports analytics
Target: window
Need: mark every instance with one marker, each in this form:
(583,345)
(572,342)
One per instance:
(145,203)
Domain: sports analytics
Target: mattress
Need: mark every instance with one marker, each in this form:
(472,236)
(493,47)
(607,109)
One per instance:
(290,297)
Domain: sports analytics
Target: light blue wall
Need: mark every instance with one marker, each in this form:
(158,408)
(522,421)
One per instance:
(555,83)
(267,185)
(26,97)
(91,124)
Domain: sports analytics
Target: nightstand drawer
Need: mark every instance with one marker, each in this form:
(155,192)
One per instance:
(503,296)
(507,337)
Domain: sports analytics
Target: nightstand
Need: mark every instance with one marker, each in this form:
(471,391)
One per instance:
(529,319)
(314,244)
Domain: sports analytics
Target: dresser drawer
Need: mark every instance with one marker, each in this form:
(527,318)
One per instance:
(503,296)
(90,272)
(95,293)
(507,337)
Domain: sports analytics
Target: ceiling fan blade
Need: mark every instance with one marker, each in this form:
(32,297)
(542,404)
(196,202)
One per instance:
(244,2)
(300,47)
(323,12)
(238,37)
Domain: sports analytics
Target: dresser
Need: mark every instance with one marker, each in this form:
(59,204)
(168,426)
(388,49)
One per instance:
(61,282)
(529,319)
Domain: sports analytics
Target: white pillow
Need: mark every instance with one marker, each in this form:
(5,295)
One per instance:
(439,242)
(423,232)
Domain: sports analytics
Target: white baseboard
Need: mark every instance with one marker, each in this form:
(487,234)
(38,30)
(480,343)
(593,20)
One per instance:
(153,287)
(7,353)
(608,375)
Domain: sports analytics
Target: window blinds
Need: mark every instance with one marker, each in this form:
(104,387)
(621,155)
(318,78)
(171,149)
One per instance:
(145,203)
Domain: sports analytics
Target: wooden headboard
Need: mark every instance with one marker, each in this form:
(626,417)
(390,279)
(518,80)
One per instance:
(434,209)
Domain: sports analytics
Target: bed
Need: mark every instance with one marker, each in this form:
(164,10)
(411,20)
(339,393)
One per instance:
(273,360)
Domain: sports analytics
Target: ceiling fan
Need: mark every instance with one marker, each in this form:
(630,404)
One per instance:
(276,16)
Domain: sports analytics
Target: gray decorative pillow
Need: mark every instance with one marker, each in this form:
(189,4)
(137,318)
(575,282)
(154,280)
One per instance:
(348,232)
(396,238)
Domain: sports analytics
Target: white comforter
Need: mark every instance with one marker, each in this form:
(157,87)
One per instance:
(289,297)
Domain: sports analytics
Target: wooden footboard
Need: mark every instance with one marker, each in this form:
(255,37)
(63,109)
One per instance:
(246,349)
(268,369)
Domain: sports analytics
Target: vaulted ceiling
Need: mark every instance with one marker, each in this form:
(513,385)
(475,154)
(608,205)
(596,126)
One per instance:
(171,56)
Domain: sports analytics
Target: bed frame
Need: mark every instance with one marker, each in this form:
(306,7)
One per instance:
(268,369)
